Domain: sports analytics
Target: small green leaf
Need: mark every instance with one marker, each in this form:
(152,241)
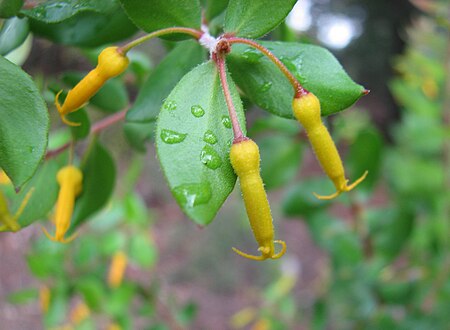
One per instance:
(90,24)
(143,251)
(93,291)
(315,67)
(112,97)
(280,157)
(24,124)
(153,15)
(99,175)
(193,139)
(253,19)
(12,34)
(139,127)
(23,296)
(9,8)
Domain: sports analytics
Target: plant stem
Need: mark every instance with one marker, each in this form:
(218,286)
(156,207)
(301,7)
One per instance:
(237,131)
(298,88)
(192,32)
(95,129)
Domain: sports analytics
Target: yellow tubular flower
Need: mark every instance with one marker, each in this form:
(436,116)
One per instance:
(111,63)
(70,181)
(307,111)
(44,298)
(80,313)
(245,160)
(117,269)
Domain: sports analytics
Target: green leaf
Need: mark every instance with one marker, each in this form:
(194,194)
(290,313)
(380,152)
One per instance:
(23,296)
(12,34)
(366,155)
(9,8)
(299,200)
(112,97)
(99,175)
(193,139)
(315,67)
(143,251)
(55,11)
(161,81)
(93,291)
(214,8)
(138,134)
(280,157)
(153,15)
(253,19)
(24,124)
(44,195)
(92,23)
(80,116)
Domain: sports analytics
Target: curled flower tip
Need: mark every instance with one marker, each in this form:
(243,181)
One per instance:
(343,188)
(267,252)
(59,239)
(62,113)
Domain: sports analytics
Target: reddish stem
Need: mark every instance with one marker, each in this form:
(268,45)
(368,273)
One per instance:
(95,129)
(237,131)
(298,88)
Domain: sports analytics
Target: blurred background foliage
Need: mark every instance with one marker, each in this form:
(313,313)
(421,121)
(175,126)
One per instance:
(377,258)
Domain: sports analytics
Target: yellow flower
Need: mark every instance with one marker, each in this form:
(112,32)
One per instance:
(44,298)
(245,159)
(307,111)
(111,63)
(80,313)
(117,269)
(70,181)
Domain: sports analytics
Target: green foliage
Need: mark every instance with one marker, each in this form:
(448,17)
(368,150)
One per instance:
(153,15)
(9,8)
(99,175)
(193,136)
(86,24)
(316,69)
(24,124)
(253,19)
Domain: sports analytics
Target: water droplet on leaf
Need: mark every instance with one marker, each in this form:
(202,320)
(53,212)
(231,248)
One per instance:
(265,86)
(170,105)
(252,55)
(172,137)
(226,121)
(193,194)
(197,111)
(209,137)
(210,158)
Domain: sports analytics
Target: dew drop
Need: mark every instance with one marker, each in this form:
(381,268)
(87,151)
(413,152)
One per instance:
(265,86)
(210,158)
(209,137)
(172,137)
(197,111)
(170,105)
(193,194)
(226,121)
(252,56)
